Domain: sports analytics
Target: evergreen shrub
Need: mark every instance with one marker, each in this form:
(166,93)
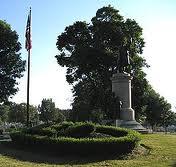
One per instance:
(77,140)
(43,130)
(80,130)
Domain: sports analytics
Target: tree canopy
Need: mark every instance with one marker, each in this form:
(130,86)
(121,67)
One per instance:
(11,64)
(17,113)
(48,112)
(90,52)
(158,110)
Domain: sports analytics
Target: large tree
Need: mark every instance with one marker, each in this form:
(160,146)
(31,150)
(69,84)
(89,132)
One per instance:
(90,53)
(11,64)
(158,110)
(47,111)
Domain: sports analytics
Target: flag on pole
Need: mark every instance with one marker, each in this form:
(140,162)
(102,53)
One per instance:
(28,44)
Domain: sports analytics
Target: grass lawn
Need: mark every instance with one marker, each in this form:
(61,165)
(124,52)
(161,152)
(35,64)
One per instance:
(162,154)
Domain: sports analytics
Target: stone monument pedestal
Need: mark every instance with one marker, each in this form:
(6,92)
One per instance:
(121,86)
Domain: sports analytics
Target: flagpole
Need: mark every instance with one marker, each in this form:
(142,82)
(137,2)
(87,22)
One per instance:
(28,74)
(28,86)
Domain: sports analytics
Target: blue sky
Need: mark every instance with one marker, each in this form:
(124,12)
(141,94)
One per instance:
(49,19)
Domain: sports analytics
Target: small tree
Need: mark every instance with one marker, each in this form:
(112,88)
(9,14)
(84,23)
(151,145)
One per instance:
(11,65)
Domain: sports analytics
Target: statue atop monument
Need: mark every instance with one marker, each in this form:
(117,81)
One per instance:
(123,60)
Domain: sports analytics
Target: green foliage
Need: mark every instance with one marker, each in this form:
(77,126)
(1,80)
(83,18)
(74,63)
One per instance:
(4,111)
(84,146)
(80,130)
(81,146)
(11,64)
(139,92)
(48,112)
(161,154)
(66,113)
(60,117)
(90,53)
(42,130)
(47,132)
(158,110)
(17,113)
(62,126)
(113,131)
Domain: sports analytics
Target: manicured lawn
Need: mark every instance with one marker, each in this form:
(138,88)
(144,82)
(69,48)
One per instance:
(162,154)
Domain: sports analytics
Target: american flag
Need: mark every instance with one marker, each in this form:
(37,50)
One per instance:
(28,44)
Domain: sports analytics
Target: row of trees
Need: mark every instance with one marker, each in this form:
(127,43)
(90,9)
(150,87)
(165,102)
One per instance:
(46,112)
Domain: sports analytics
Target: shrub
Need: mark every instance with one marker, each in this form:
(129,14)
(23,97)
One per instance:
(80,130)
(43,130)
(82,146)
(48,132)
(62,126)
(35,129)
(113,131)
(99,139)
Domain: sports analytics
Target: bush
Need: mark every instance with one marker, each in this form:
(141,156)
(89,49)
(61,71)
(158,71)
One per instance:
(113,131)
(43,130)
(80,130)
(48,132)
(98,139)
(82,146)
(62,126)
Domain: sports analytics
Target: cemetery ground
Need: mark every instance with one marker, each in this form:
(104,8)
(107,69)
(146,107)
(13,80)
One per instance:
(157,150)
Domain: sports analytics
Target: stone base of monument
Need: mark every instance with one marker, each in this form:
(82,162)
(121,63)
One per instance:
(121,86)
(132,124)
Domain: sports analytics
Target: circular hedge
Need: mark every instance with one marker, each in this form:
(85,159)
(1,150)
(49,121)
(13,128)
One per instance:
(78,138)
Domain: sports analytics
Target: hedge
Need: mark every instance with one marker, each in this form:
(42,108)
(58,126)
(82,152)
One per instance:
(113,131)
(80,130)
(48,131)
(62,126)
(82,146)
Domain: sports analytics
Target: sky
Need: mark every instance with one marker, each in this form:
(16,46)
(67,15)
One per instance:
(49,19)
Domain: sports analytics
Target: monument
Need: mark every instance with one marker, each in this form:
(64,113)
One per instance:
(121,87)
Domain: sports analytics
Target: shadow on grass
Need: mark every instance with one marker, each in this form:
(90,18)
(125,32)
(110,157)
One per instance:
(32,155)
(174,165)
